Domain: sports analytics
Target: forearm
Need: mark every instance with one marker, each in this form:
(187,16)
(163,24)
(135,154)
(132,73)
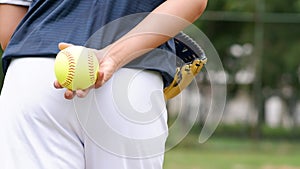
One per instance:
(159,26)
(10,17)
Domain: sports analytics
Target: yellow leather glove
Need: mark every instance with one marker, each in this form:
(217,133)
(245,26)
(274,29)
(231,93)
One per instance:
(194,59)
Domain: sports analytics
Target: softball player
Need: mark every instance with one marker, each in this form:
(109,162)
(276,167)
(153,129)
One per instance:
(40,129)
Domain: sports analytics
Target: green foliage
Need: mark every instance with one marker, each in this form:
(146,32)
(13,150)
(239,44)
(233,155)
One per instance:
(232,5)
(241,5)
(279,6)
(280,56)
(244,131)
(280,133)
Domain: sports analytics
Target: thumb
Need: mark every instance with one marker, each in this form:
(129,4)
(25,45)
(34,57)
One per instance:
(64,45)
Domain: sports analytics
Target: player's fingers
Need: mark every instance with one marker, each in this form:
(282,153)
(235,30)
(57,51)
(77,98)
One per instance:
(64,45)
(99,80)
(57,85)
(69,94)
(82,93)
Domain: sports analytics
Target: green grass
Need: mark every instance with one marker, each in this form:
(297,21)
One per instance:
(235,154)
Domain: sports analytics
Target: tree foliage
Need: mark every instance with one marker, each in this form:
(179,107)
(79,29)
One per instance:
(280,58)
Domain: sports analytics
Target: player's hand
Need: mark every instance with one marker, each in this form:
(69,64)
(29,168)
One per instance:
(107,67)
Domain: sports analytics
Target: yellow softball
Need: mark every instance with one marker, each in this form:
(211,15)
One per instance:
(76,67)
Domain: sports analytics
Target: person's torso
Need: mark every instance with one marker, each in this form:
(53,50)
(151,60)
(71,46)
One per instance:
(49,22)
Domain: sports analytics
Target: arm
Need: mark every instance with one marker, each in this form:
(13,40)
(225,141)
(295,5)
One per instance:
(163,23)
(159,26)
(10,17)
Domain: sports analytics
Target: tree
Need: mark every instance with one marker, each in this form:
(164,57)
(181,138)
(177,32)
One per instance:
(229,22)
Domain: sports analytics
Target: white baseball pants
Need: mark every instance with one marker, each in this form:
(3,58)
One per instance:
(122,125)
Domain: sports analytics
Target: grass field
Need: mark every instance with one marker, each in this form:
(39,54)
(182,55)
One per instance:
(235,154)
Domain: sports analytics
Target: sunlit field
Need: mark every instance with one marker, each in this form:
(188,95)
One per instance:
(235,154)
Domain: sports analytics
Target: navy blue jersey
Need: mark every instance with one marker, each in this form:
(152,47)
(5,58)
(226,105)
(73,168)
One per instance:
(91,23)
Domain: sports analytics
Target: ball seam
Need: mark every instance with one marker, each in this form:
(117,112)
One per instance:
(91,67)
(71,68)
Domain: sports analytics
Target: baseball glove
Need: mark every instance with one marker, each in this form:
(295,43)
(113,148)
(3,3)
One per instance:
(192,59)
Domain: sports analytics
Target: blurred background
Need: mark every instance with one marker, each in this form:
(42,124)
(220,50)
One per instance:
(258,42)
